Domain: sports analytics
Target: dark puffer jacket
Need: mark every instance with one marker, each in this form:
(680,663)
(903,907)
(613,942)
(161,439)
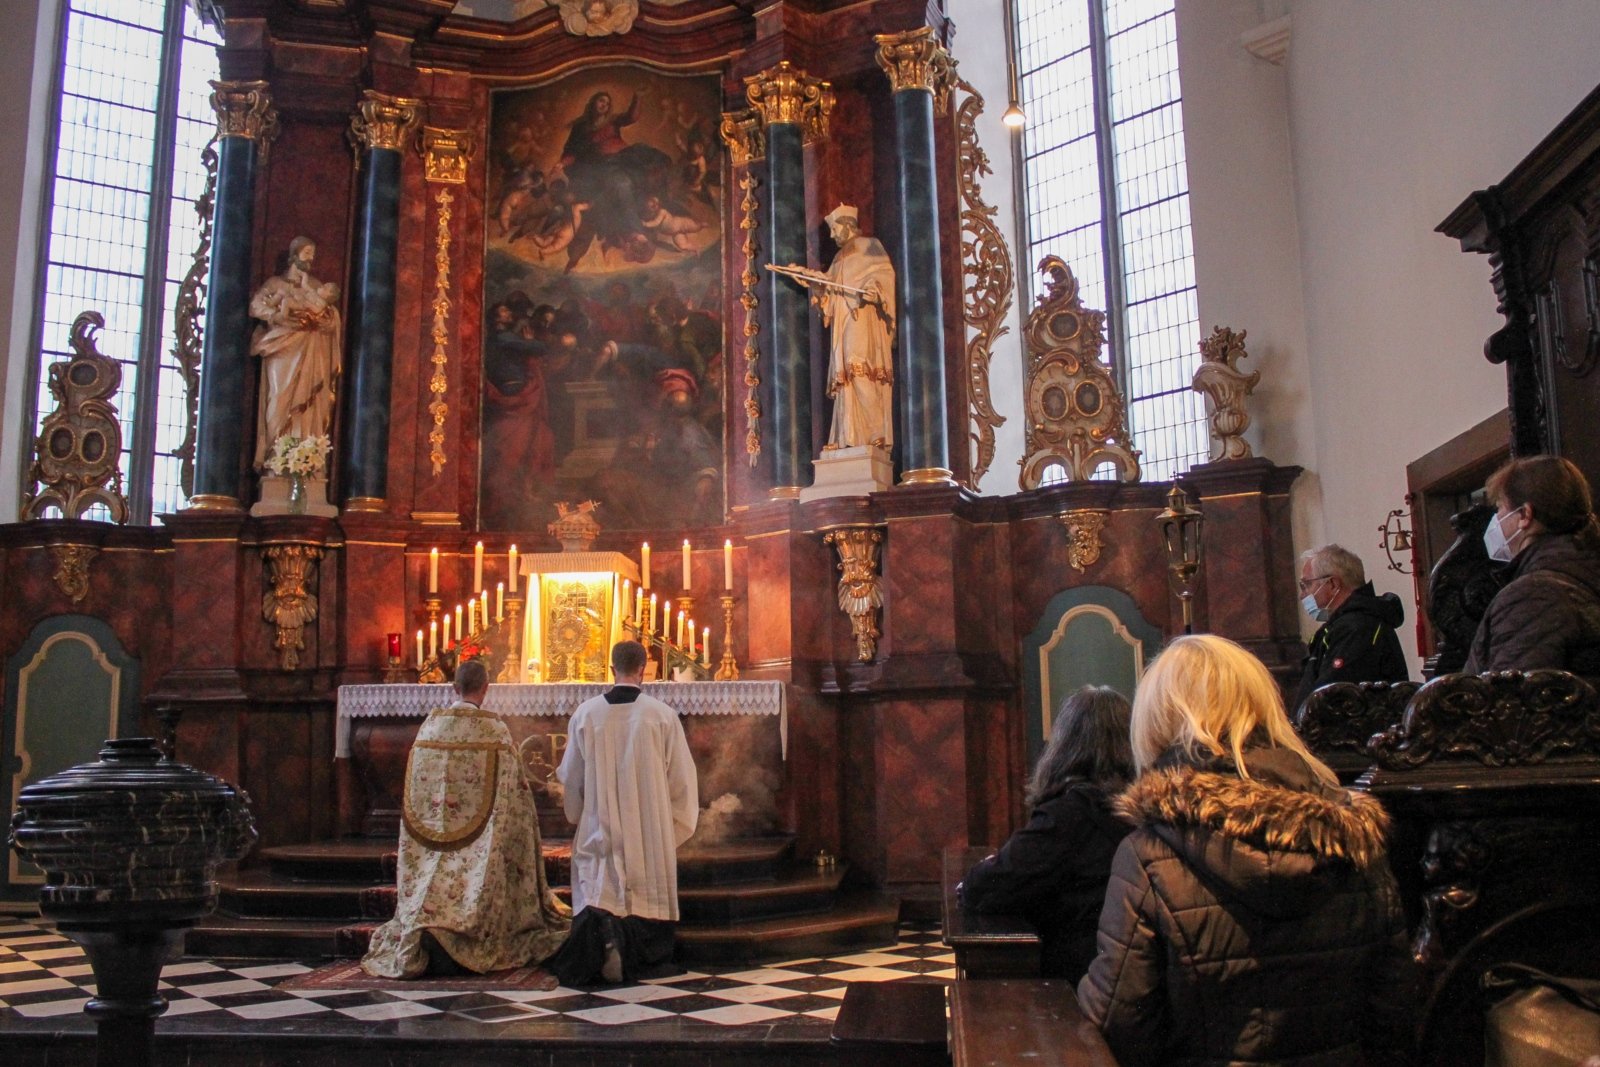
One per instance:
(1251,921)
(1053,872)
(1548,614)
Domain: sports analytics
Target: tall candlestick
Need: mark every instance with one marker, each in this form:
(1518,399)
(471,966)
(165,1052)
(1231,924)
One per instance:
(433,638)
(500,602)
(691,637)
(419,650)
(483,612)
(638,606)
(460,633)
(511,582)
(650,628)
(666,622)
(679,635)
(705,646)
(644,565)
(472,616)
(477,567)
(447,629)
(727,566)
(433,570)
(686,566)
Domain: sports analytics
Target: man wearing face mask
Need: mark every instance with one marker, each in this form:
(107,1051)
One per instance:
(1357,641)
(1548,613)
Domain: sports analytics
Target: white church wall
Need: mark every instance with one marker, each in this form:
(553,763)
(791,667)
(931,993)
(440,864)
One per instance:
(27,61)
(980,50)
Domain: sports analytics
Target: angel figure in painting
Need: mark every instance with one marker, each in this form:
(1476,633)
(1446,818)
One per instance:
(857,300)
(299,343)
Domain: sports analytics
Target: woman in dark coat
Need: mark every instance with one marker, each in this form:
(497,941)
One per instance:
(1053,871)
(1251,915)
(1548,613)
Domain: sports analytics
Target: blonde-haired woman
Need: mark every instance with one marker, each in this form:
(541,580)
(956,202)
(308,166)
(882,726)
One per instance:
(1251,915)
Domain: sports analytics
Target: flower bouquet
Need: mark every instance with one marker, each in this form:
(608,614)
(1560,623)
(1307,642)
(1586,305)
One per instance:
(453,655)
(298,458)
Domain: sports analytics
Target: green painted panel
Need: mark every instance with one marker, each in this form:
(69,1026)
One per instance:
(1091,653)
(67,707)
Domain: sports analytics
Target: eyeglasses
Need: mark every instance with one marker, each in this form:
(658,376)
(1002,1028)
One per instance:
(1305,584)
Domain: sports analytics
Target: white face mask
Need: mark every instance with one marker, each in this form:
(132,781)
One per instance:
(1309,603)
(1495,540)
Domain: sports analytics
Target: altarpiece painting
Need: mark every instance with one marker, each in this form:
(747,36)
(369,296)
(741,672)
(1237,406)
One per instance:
(602,363)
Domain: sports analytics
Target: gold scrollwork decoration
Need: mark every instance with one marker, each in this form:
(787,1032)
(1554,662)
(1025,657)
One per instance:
(1077,419)
(382,121)
(990,277)
(915,60)
(80,442)
(748,281)
(1227,387)
(787,94)
(244,109)
(290,603)
(445,154)
(72,569)
(188,318)
(859,594)
(742,132)
(439,384)
(1084,543)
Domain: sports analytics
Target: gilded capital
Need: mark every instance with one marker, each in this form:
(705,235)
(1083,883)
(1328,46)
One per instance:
(383,121)
(445,154)
(785,94)
(914,60)
(741,132)
(244,109)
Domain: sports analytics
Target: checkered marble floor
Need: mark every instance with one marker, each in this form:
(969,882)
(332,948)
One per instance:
(45,976)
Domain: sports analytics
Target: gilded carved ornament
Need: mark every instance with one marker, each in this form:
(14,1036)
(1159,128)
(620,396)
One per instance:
(914,60)
(786,94)
(742,132)
(1084,526)
(445,154)
(439,384)
(72,569)
(987,266)
(1076,415)
(80,442)
(749,302)
(1227,387)
(290,604)
(382,121)
(859,594)
(244,109)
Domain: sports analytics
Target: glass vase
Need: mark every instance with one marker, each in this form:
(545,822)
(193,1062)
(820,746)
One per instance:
(297,494)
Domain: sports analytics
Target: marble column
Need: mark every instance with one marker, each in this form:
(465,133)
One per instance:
(919,71)
(246,124)
(379,128)
(791,108)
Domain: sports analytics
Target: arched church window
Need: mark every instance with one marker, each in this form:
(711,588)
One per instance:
(1106,188)
(132,115)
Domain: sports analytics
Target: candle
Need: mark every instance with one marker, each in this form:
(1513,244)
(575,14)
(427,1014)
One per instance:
(512,584)
(483,611)
(638,606)
(727,566)
(500,602)
(625,605)
(477,567)
(705,646)
(644,565)
(686,567)
(433,571)
(666,625)
(691,637)
(433,639)
(460,633)
(472,616)
(419,650)
(447,629)
(394,646)
(679,641)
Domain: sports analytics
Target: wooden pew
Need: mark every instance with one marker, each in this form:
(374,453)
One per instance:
(985,946)
(1032,1021)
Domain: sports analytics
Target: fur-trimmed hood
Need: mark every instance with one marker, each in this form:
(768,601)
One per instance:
(1278,840)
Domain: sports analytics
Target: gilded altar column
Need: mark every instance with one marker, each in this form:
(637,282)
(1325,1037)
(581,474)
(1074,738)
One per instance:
(378,130)
(246,124)
(791,108)
(919,70)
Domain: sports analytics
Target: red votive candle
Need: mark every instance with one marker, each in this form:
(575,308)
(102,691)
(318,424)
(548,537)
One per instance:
(394,646)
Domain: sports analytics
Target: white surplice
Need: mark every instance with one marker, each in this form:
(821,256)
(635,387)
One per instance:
(631,791)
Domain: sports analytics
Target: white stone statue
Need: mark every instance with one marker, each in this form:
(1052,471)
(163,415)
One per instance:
(300,343)
(1220,379)
(856,297)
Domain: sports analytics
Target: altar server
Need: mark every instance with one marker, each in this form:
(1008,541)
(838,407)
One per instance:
(471,886)
(630,789)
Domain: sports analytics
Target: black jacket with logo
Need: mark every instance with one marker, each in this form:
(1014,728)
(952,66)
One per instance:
(1358,643)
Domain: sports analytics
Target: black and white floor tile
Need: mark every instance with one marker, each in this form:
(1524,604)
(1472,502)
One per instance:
(43,975)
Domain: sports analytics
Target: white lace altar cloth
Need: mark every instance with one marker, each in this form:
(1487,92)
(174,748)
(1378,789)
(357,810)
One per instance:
(559,698)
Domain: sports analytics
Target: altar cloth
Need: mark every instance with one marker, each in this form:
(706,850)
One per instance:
(558,698)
